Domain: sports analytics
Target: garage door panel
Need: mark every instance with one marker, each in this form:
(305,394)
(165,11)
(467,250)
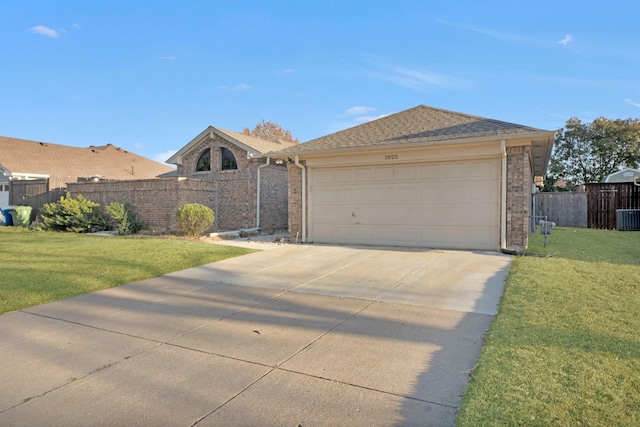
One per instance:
(406,173)
(383,174)
(455,171)
(461,216)
(363,175)
(363,195)
(322,176)
(477,192)
(324,215)
(454,193)
(440,205)
(344,194)
(430,192)
(429,172)
(407,193)
(482,169)
(385,193)
(324,195)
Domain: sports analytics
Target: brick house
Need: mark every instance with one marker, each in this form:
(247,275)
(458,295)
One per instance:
(423,177)
(248,189)
(22,159)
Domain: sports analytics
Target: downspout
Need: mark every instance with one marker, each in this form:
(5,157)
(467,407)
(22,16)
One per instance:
(258,195)
(304,199)
(503,198)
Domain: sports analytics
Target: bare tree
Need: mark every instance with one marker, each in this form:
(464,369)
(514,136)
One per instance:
(270,131)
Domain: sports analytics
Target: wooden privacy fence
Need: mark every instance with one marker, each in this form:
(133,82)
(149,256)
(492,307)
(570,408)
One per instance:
(566,209)
(32,192)
(604,199)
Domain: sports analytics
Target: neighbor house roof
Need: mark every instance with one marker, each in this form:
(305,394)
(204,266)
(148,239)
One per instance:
(625,175)
(64,163)
(424,125)
(255,147)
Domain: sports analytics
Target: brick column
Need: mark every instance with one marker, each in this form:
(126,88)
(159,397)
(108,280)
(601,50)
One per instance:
(295,201)
(519,187)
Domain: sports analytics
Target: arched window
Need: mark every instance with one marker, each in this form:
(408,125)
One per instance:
(228,159)
(204,161)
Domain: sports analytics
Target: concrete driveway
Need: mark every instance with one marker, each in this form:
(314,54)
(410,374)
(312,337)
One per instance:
(301,335)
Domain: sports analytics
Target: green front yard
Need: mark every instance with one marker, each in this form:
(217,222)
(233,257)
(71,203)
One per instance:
(564,349)
(39,267)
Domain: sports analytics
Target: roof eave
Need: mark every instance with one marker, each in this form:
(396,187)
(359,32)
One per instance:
(176,159)
(542,135)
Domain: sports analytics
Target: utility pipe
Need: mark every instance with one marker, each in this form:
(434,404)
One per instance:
(304,199)
(258,195)
(503,195)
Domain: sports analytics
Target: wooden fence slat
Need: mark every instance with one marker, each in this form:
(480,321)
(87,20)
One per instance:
(566,209)
(604,199)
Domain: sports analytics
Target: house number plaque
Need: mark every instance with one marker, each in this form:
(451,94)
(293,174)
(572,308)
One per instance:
(391,157)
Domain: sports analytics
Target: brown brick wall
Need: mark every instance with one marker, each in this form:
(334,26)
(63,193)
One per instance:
(155,200)
(273,197)
(231,194)
(295,201)
(519,187)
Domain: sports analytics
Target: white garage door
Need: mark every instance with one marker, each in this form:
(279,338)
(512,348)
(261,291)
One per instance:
(439,205)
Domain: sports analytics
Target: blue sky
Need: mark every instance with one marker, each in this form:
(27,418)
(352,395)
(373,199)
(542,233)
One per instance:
(149,76)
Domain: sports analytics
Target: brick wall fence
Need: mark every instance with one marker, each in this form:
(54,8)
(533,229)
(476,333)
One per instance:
(155,200)
(519,196)
(231,195)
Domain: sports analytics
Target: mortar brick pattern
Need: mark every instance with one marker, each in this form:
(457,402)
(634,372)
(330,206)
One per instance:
(295,200)
(232,194)
(519,185)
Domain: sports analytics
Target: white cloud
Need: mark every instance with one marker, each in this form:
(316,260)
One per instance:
(138,145)
(163,157)
(631,102)
(285,72)
(364,119)
(241,86)
(494,34)
(418,79)
(549,113)
(44,31)
(566,40)
(359,110)
(77,26)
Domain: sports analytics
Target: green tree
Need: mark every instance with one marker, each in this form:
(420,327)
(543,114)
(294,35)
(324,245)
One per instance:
(588,152)
(270,131)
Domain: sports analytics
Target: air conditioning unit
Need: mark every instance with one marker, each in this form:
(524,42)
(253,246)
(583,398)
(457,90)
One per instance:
(628,219)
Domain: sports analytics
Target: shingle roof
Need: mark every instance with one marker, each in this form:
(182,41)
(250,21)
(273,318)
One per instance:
(255,146)
(418,125)
(64,163)
(260,145)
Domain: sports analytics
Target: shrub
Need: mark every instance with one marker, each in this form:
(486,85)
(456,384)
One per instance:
(124,218)
(78,215)
(193,219)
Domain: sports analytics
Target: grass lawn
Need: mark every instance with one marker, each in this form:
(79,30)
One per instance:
(39,267)
(564,349)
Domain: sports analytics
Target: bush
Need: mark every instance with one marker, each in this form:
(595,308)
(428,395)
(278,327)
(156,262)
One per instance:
(193,219)
(124,218)
(78,215)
